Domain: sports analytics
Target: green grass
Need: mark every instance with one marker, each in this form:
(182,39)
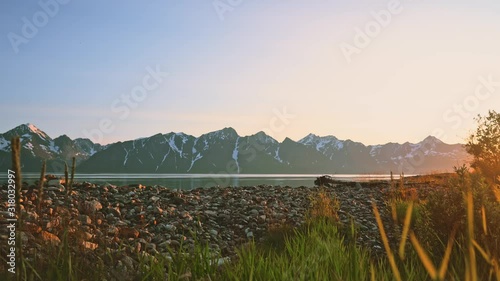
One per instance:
(315,252)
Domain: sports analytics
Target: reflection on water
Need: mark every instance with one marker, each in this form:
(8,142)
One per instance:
(188,181)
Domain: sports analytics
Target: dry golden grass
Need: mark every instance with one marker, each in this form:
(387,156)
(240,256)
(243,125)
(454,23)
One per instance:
(324,206)
(434,178)
(496,191)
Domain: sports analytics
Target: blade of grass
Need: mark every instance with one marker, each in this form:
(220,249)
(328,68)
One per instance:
(482,252)
(394,212)
(385,241)
(483,215)
(446,259)
(496,269)
(426,261)
(406,228)
(33,270)
(470,236)
(467,270)
(372,272)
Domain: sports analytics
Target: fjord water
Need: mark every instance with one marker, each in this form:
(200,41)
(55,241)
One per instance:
(189,181)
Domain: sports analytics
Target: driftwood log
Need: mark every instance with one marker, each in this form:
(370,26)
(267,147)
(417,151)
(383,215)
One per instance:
(325,181)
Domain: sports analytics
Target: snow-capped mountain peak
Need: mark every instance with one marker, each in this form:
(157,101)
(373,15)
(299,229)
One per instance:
(309,139)
(36,146)
(322,144)
(32,128)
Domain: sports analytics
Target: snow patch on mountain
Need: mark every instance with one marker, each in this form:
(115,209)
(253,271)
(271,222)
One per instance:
(174,147)
(198,157)
(193,150)
(323,144)
(25,136)
(87,147)
(224,134)
(164,157)
(308,140)
(375,150)
(37,131)
(53,147)
(206,144)
(126,157)
(235,154)
(182,136)
(4,144)
(277,155)
(339,144)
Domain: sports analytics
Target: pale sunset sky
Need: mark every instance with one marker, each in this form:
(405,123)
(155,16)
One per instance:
(371,71)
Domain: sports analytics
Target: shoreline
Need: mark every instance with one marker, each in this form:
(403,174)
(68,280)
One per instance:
(193,181)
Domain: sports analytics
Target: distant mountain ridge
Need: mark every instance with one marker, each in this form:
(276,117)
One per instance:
(224,151)
(37,146)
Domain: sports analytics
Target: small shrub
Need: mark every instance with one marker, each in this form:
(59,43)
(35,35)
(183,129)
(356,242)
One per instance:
(446,209)
(400,208)
(324,206)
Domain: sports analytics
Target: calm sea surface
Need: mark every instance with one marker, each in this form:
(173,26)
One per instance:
(189,181)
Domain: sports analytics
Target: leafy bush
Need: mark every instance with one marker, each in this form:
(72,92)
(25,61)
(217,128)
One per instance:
(446,209)
(484,145)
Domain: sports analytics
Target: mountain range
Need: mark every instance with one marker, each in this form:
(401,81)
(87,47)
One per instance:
(224,151)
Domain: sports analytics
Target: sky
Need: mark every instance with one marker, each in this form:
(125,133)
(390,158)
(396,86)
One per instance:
(367,70)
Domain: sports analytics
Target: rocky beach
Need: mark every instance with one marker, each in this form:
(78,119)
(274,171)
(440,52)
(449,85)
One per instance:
(124,221)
